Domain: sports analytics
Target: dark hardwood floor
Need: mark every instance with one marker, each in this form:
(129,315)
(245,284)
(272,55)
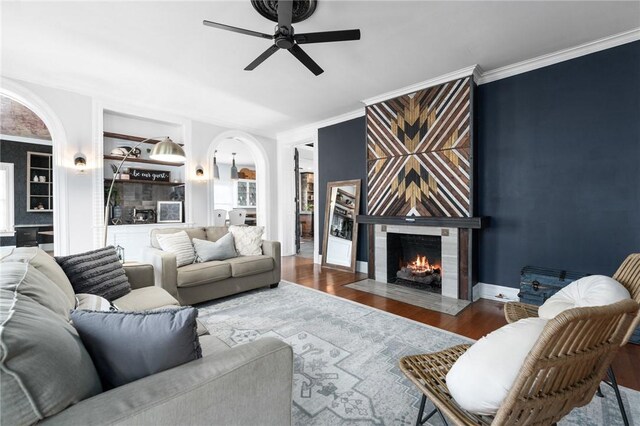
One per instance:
(480,318)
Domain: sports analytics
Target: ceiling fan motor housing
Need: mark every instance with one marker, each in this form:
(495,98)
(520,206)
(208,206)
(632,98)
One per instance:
(302,9)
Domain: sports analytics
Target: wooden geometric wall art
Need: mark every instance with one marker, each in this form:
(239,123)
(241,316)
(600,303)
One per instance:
(419,153)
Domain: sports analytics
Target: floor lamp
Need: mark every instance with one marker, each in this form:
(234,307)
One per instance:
(165,150)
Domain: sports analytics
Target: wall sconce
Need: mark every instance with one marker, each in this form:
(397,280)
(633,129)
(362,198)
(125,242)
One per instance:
(216,170)
(234,169)
(199,172)
(80,162)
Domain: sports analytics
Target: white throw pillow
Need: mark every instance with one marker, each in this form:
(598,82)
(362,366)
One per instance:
(92,302)
(595,290)
(481,378)
(248,239)
(178,244)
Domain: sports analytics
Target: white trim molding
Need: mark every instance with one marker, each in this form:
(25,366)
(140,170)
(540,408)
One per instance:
(24,139)
(62,163)
(559,56)
(474,70)
(307,131)
(495,292)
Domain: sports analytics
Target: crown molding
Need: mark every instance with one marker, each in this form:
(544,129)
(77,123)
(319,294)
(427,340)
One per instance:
(474,70)
(308,130)
(559,56)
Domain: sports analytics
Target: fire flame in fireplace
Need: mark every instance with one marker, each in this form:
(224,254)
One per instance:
(421,267)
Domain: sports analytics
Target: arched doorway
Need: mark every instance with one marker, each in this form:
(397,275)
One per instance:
(25,97)
(263,176)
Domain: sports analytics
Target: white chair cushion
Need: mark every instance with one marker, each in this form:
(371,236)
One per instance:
(481,378)
(180,245)
(595,290)
(248,239)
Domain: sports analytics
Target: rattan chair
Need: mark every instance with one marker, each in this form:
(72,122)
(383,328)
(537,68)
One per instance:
(628,274)
(561,372)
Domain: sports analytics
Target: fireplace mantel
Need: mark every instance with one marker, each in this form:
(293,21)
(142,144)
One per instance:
(443,222)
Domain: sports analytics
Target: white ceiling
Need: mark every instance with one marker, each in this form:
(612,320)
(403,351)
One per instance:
(158,52)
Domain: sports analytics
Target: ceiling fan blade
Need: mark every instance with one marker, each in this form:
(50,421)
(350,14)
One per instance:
(305,59)
(260,59)
(327,36)
(285,13)
(237,30)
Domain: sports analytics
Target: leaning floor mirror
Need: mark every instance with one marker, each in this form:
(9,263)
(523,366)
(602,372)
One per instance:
(340,225)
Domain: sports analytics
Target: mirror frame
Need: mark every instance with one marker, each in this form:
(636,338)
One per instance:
(354,236)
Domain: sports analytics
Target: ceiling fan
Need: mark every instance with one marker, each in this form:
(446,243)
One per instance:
(286,12)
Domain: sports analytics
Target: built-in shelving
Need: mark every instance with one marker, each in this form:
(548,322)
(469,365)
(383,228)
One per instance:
(39,182)
(141,160)
(149,182)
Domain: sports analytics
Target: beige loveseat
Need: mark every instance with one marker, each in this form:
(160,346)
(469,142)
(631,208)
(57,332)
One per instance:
(245,384)
(199,282)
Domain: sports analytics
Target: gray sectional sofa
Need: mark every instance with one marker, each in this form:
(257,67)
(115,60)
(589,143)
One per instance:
(246,384)
(199,282)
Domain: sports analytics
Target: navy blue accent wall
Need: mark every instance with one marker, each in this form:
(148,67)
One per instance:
(559,166)
(16,153)
(342,155)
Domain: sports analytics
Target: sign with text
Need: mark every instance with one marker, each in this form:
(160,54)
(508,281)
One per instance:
(152,175)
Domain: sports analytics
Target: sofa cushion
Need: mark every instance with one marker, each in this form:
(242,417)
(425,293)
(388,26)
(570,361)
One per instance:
(44,367)
(127,346)
(180,245)
(244,266)
(145,298)
(203,273)
(201,329)
(24,278)
(96,272)
(46,264)
(222,249)
(191,232)
(594,290)
(483,376)
(214,233)
(248,239)
(211,344)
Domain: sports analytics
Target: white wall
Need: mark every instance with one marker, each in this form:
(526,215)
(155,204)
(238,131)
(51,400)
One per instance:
(75,113)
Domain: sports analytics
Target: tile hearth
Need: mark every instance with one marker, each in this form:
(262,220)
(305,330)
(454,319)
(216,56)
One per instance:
(423,299)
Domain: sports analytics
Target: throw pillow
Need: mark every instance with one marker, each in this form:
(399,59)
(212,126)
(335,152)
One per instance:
(91,302)
(127,346)
(215,250)
(594,290)
(481,378)
(97,272)
(178,244)
(248,239)
(44,367)
(28,281)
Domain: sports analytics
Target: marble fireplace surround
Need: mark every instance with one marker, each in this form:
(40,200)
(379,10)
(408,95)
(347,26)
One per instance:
(450,250)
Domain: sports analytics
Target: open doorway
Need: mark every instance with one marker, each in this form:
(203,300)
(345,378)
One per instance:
(235,186)
(26,178)
(304,173)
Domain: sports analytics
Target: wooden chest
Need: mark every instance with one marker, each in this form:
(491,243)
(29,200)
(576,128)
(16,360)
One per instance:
(538,284)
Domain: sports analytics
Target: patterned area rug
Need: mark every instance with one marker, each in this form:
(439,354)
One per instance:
(346,356)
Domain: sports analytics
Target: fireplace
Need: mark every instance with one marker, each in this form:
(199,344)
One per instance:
(404,250)
(415,261)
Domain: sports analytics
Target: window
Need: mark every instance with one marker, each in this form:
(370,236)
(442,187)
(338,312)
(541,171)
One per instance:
(6,199)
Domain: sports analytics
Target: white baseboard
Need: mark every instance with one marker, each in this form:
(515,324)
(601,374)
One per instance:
(495,292)
(362,267)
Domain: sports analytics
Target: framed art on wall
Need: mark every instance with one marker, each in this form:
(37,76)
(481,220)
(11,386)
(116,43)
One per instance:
(169,211)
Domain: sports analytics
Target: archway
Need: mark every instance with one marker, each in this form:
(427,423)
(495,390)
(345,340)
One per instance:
(263,177)
(59,140)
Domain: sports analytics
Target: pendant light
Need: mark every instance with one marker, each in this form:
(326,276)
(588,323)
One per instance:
(234,169)
(216,170)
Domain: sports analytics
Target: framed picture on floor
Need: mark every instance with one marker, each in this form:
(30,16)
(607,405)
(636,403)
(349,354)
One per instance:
(169,211)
